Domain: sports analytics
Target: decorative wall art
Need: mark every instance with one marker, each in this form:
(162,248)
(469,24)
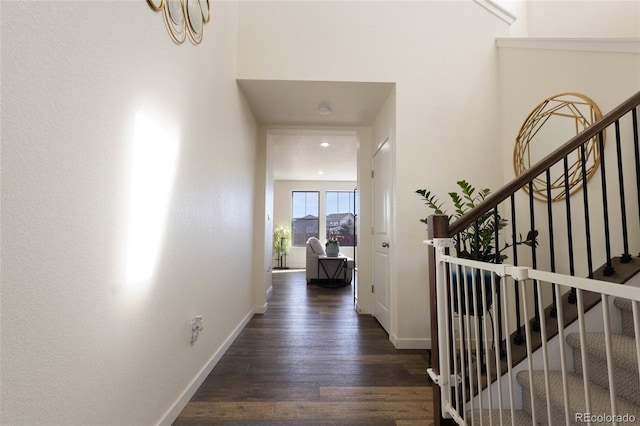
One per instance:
(183,18)
(552,123)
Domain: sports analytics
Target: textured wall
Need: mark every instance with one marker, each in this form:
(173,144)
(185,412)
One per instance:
(127,208)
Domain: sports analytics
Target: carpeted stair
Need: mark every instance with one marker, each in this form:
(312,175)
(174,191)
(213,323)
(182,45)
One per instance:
(627,380)
(486,417)
(625,371)
(627,316)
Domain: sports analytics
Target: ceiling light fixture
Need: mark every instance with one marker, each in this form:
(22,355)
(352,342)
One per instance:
(324,144)
(324,110)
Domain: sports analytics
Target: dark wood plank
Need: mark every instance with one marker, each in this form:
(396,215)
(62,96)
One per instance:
(311,359)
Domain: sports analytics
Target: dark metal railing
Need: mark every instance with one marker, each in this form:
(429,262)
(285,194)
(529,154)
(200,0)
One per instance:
(578,254)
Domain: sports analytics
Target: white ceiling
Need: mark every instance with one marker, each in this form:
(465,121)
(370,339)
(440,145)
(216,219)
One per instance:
(297,155)
(279,102)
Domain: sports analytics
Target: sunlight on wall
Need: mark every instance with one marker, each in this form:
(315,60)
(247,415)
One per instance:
(154,159)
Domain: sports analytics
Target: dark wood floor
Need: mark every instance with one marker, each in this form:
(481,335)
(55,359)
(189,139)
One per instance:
(311,359)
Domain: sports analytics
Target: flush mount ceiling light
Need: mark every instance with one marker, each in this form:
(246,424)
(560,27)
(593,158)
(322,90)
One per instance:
(324,144)
(324,110)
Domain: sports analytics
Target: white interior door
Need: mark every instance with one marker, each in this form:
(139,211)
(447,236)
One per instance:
(382,234)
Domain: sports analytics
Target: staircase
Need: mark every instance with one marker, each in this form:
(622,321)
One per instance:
(627,384)
(626,379)
(549,397)
(577,377)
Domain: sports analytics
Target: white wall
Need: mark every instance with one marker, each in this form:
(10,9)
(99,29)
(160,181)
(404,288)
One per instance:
(572,19)
(282,209)
(441,55)
(531,74)
(81,343)
(264,222)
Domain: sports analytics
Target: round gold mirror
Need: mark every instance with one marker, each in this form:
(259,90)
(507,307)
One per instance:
(552,123)
(183,17)
(156,5)
(195,20)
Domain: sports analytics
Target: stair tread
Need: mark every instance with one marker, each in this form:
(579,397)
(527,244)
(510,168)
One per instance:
(600,400)
(520,417)
(623,304)
(624,356)
(623,348)
(623,271)
(626,313)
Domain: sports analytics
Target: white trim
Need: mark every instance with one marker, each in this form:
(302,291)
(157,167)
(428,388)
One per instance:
(261,309)
(613,45)
(394,340)
(497,10)
(174,411)
(258,309)
(417,343)
(269,291)
(360,308)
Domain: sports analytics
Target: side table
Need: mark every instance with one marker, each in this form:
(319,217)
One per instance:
(333,270)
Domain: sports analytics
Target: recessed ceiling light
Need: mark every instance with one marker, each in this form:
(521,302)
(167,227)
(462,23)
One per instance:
(324,144)
(320,172)
(324,110)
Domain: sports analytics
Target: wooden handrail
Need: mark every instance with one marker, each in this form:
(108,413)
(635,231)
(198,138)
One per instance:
(512,187)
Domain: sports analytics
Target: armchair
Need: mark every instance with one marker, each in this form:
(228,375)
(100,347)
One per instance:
(314,272)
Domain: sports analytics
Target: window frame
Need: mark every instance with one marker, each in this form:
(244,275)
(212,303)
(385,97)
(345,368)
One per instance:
(344,239)
(308,223)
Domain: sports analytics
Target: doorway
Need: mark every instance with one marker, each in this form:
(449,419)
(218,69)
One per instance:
(314,176)
(291,105)
(382,234)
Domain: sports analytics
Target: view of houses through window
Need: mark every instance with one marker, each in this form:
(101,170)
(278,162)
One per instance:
(341,217)
(305,216)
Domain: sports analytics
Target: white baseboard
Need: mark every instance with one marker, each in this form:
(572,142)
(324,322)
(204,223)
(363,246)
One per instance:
(401,343)
(261,309)
(360,309)
(174,411)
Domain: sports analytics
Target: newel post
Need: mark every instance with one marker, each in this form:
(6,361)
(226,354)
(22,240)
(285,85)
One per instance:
(437,227)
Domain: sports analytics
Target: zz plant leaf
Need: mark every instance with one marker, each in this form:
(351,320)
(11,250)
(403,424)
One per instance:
(477,240)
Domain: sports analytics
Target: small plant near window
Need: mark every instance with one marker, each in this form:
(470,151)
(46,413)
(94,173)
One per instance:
(475,242)
(281,245)
(281,239)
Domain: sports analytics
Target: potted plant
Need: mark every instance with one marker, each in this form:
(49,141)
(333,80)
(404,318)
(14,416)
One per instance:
(475,242)
(281,244)
(332,248)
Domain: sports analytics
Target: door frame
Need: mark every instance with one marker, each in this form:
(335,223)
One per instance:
(387,139)
(262,288)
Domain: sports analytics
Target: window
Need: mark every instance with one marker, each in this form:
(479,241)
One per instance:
(305,214)
(341,217)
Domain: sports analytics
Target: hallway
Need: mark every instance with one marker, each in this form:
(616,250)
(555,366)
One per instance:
(311,359)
